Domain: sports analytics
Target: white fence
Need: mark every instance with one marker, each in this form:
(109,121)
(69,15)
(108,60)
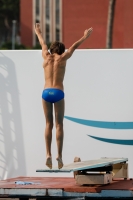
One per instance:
(98,112)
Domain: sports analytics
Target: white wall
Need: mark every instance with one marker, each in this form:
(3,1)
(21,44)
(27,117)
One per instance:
(98,86)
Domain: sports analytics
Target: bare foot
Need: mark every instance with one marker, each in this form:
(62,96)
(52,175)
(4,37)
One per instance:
(49,162)
(60,162)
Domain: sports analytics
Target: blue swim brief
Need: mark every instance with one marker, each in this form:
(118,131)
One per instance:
(52,95)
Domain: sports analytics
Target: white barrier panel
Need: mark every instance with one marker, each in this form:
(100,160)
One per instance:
(98,112)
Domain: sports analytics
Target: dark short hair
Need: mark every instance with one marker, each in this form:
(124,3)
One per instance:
(57,47)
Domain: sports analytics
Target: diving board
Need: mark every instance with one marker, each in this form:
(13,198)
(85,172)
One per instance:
(93,172)
(86,165)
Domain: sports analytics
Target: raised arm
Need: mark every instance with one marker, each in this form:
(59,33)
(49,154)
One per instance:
(40,38)
(70,51)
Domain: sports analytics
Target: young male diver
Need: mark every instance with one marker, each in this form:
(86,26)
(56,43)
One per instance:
(53,94)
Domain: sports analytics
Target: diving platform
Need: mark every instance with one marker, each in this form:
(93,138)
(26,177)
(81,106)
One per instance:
(96,179)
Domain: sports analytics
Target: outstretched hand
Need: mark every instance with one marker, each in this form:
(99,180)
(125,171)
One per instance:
(88,32)
(37,28)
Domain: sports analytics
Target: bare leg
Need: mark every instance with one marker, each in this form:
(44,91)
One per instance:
(59,116)
(48,112)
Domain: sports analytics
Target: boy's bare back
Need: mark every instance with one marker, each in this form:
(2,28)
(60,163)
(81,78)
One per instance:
(54,70)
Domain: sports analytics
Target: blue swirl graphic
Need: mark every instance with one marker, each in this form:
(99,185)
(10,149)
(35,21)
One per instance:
(113,141)
(107,125)
(102,124)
